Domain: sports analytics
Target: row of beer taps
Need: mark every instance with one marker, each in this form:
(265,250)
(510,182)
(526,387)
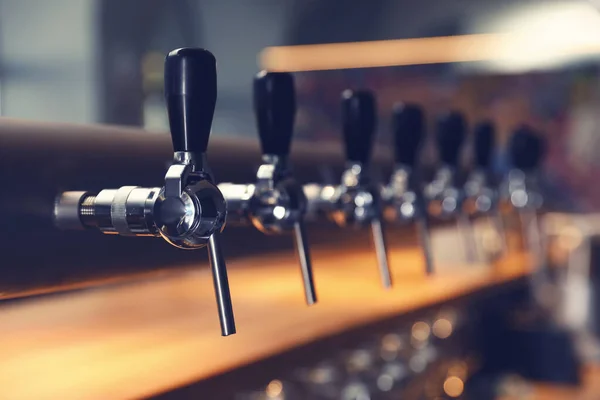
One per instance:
(191,210)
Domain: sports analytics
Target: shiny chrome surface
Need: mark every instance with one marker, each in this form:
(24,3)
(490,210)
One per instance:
(482,199)
(480,196)
(520,191)
(355,203)
(428,357)
(303,251)
(444,197)
(405,203)
(166,320)
(74,158)
(381,252)
(275,204)
(187,212)
(221,285)
(189,209)
(127,211)
(425,241)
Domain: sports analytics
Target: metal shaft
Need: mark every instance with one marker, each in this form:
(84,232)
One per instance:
(532,236)
(498,222)
(303,252)
(221,283)
(425,239)
(381,252)
(465,230)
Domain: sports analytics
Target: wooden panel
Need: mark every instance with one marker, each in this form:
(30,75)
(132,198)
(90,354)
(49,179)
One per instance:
(134,339)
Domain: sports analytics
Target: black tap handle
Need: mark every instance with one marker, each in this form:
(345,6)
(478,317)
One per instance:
(191,95)
(408,126)
(275,109)
(526,149)
(450,135)
(484,141)
(359,120)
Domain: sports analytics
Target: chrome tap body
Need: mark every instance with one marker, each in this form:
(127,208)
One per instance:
(189,211)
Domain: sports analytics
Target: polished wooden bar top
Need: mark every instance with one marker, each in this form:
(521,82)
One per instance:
(134,339)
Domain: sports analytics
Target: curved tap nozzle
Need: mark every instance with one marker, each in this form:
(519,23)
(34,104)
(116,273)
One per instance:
(276,203)
(403,194)
(357,200)
(189,211)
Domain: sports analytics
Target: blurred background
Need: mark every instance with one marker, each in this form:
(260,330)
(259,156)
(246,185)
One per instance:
(94,61)
(101,62)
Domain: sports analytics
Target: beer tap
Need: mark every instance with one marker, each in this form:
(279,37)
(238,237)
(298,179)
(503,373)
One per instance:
(189,211)
(275,203)
(444,193)
(526,150)
(356,201)
(481,187)
(403,195)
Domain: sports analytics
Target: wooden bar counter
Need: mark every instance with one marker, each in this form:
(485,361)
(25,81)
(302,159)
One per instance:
(142,337)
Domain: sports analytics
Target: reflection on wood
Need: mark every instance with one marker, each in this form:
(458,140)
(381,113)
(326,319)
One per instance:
(134,339)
